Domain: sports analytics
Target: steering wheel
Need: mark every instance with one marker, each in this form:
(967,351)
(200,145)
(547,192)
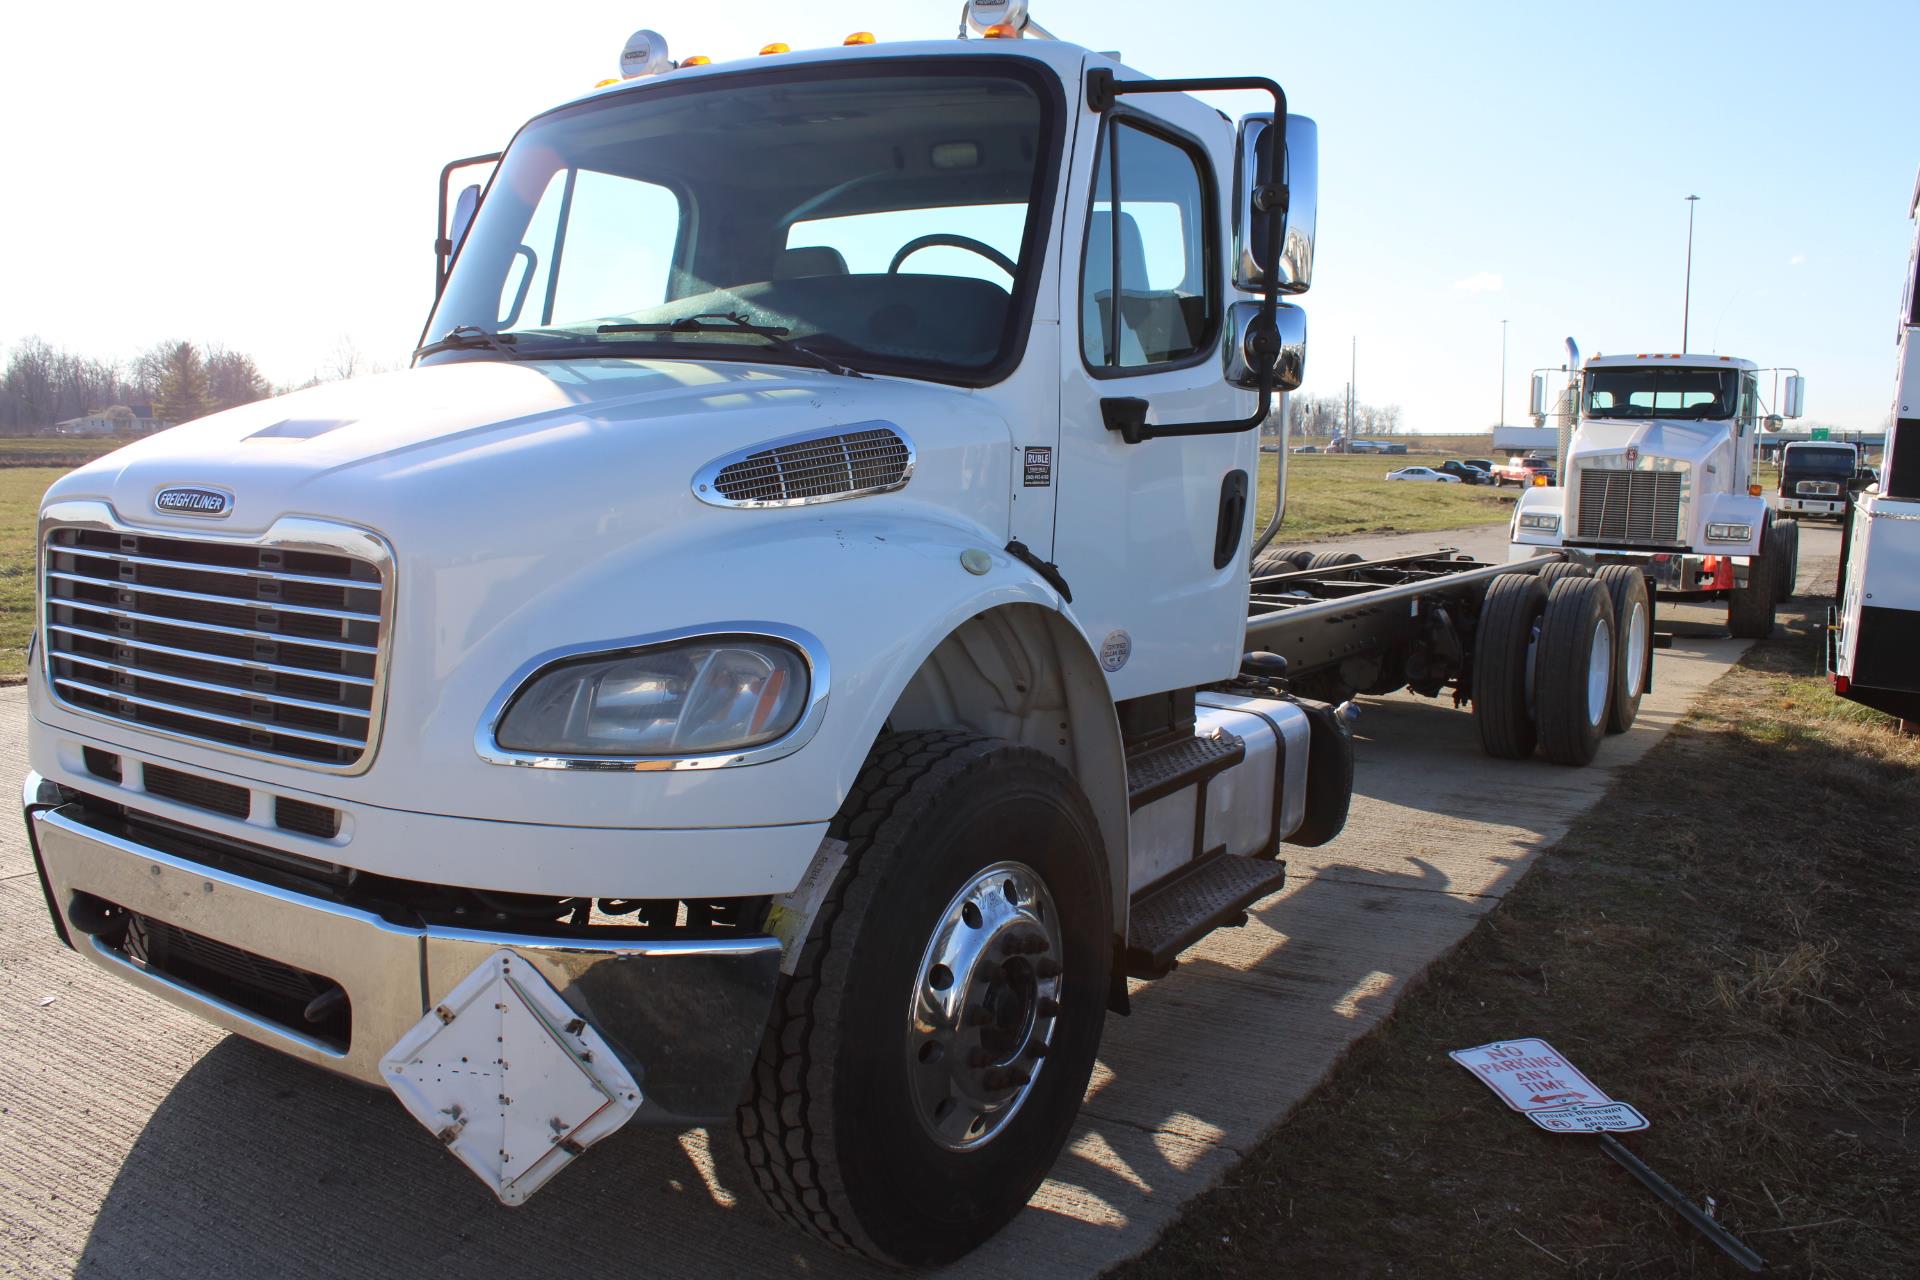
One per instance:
(952,241)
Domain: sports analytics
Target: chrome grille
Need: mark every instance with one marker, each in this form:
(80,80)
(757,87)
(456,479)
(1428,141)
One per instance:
(804,469)
(1818,488)
(1617,505)
(268,648)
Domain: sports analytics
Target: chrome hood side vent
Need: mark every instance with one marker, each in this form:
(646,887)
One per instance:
(816,466)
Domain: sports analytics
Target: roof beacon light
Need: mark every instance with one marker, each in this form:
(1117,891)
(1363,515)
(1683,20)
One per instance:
(645,55)
(859,37)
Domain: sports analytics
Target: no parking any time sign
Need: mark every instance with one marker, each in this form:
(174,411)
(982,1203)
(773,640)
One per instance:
(1534,1079)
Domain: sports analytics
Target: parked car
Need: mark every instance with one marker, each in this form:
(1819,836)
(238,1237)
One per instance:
(1308,448)
(1464,473)
(1422,473)
(1480,464)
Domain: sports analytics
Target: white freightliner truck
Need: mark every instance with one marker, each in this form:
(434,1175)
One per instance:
(778,654)
(1658,474)
(1873,637)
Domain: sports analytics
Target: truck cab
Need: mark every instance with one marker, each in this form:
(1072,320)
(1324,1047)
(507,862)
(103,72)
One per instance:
(776,654)
(1817,477)
(1659,473)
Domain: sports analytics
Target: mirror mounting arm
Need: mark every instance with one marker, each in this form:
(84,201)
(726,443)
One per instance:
(1127,415)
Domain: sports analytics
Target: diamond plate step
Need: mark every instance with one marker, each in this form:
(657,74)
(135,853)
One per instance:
(1180,911)
(1154,775)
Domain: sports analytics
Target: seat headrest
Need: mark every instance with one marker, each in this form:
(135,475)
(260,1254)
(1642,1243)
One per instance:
(809,260)
(1133,253)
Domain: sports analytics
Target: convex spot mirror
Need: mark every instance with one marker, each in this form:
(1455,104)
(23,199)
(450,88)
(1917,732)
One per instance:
(1253,257)
(1286,346)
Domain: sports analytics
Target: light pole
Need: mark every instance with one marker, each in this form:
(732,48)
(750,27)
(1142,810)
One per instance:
(1501,421)
(1686,305)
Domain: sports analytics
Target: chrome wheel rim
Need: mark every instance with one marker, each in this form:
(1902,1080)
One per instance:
(984,1007)
(1636,655)
(1599,671)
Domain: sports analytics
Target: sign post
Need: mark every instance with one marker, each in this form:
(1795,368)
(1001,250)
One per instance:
(1532,1077)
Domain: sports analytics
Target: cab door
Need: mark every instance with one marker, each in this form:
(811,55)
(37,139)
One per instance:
(1152,536)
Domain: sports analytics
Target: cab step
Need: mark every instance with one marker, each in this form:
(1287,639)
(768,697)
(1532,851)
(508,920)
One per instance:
(1209,894)
(1160,772)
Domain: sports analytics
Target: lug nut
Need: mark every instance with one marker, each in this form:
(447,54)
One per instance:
(1046,967)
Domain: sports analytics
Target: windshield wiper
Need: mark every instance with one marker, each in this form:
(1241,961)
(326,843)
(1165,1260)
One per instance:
(468,337)
(732,322)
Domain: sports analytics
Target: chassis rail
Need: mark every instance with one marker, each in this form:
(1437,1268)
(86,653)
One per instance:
(1410,607)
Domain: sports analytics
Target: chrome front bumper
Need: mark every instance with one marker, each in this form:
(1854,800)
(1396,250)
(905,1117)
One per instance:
(685,1015)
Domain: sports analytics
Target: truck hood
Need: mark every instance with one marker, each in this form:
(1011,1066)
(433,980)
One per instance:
(1684,441)
(533,440)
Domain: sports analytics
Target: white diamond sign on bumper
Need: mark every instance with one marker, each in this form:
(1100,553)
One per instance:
(510,1078)
(1533,1078)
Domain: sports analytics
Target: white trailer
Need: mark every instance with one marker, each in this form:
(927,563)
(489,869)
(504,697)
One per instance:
(1658,474)
(777,655)
(1873,646)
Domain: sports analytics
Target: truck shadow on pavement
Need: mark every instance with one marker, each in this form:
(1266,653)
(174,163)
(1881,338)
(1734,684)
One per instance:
(255,1165)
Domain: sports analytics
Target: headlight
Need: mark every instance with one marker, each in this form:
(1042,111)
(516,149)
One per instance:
(1537,520)
(687,698)
(1729,533)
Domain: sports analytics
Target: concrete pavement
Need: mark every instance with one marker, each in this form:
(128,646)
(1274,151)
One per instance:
(134,1140)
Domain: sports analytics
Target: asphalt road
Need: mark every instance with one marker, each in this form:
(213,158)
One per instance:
(136,1141)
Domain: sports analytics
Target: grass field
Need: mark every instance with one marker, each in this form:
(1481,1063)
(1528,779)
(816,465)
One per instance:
(66,454)
(1727,942)
(20,490)
(1335,495)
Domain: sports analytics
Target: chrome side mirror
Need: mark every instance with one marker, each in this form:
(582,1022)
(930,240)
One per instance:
(1795,397)
(465,205)
(1250,346)
(1537,398)
(1252,256)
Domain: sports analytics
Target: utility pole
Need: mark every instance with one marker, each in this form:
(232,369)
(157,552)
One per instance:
(1686,305)
(1353,386)
(1501,421)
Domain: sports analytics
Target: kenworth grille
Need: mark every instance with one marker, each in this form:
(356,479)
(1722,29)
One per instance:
(272,648)
(1617,505)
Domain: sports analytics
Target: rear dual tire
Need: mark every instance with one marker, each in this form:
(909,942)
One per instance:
(1546,663)
(1574,670)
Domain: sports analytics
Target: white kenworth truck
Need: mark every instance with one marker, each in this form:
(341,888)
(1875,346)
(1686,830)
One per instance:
(777,655)
(1873,636)
(1659,474)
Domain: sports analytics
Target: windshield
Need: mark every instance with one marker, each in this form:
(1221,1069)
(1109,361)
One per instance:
(890,216)
(1639,392)
(1824,464)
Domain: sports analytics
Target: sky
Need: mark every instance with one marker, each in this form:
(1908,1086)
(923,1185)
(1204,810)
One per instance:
(264,177)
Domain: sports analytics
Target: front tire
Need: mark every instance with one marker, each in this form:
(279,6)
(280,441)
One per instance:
(924,1064)
(1750,608)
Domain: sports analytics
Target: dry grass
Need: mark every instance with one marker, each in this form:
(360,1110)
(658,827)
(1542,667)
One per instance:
(1337,495)
(1728,942)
